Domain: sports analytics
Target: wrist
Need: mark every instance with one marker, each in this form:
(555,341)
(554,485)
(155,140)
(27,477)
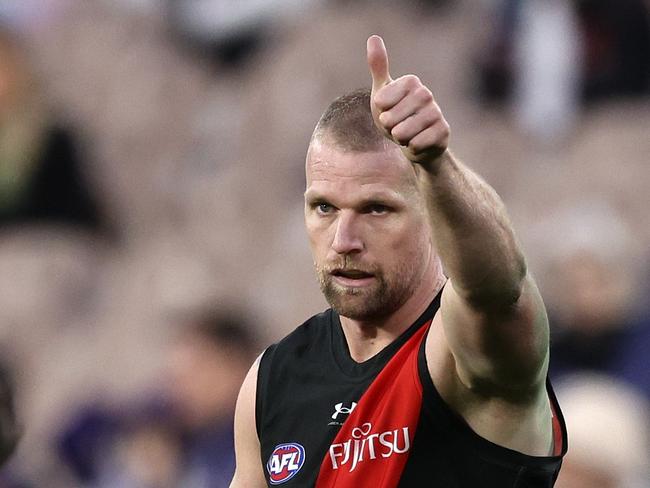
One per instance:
(433,163)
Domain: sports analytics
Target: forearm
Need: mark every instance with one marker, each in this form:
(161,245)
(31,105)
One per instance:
(494,320)
(471,231)
(472,234)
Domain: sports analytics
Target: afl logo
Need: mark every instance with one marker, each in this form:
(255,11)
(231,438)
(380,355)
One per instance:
(285,462)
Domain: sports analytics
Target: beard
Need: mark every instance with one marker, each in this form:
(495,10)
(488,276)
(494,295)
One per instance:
(387,293)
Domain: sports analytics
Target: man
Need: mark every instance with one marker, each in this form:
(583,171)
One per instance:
(610,433)
(410,379)
(10,430)
(207,363)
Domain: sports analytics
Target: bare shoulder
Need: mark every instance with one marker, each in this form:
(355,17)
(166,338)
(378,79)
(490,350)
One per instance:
(522,423)
(248,472)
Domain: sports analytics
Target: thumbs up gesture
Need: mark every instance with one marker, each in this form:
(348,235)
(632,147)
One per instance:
(404,110)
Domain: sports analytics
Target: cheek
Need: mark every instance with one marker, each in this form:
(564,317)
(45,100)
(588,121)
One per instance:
(408,236)
(407,249)
(319,236)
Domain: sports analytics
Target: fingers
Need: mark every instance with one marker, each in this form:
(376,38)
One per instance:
(409,115)
(410,127)
(404,110)
(378,62)
(396,106)
(430,143)
(391,94)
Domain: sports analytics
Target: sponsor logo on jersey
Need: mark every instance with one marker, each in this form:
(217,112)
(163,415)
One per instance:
(285,462)
(342,409)
(366,445)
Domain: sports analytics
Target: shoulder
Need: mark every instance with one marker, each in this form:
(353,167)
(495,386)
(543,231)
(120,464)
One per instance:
(305,340)
(282,363)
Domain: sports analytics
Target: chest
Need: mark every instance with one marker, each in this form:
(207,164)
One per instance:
(303,411)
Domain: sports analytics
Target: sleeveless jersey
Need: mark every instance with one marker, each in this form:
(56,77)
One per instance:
(325,421)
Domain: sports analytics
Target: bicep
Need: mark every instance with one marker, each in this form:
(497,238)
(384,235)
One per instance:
(248,472)
(504,349)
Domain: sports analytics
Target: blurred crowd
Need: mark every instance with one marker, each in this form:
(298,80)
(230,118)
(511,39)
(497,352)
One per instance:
(151,234)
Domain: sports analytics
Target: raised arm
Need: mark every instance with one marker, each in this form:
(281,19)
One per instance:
(248,473)
(493,318)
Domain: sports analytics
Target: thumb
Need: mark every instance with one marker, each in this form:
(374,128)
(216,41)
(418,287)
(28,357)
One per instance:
(378,62)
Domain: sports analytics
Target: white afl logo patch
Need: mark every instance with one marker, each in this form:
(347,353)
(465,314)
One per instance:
(285,462)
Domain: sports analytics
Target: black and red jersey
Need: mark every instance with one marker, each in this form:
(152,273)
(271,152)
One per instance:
(325,421)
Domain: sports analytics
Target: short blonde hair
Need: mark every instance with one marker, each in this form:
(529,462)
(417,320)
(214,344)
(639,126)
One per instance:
(348,123)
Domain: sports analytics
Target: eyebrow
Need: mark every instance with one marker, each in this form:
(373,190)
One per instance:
(313,195)
(390,198)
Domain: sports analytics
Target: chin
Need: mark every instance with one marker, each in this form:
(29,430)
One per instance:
(362,303)
(361,315)
(357,306)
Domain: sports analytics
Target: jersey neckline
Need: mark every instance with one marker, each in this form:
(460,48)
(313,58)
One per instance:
(370,367)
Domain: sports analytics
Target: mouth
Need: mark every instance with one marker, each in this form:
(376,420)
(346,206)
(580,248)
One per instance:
(352,277)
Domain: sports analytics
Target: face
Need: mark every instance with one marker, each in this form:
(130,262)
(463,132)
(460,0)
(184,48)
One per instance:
(12,77)
(204,378)
(367,227)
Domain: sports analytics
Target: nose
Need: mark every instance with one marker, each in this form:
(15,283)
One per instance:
(347,237)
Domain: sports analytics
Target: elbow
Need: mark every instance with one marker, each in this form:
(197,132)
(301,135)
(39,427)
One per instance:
(515,279)
(501,288)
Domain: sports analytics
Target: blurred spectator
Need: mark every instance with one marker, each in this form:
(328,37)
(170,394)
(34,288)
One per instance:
(495,59)
(208,363)
(614,51)
(147,454)
(87,441)
(547,69)
(616,47)
(230,32)
(139,447)
(594,313)
(9,430)
(185,439)
(609,430)
(41,174)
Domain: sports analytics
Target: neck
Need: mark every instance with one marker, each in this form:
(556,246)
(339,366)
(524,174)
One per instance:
(366,338)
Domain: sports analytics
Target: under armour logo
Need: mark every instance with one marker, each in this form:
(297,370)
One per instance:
(339,408)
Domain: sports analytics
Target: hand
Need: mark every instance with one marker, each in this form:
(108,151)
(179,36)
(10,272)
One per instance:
(404,109)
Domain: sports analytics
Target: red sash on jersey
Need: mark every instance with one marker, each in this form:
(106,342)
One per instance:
(373,444)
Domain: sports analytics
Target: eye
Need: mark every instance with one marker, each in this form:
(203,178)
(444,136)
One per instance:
(377,209)
(323,208)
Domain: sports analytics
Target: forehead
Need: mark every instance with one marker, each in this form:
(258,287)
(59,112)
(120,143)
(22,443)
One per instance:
(330,167)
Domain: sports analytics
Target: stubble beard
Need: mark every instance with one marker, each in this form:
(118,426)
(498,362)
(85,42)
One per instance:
(376,301)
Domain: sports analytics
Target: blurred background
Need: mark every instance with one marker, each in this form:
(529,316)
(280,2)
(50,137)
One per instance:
(151,233)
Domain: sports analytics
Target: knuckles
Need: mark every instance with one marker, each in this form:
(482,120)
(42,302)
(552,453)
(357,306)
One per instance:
(411,81)
(416,148)
(429,134)
(430,117)
(436,141)
(423,94)
(400,137)
(381,98)
(387,120)
(384,97)
(434,138)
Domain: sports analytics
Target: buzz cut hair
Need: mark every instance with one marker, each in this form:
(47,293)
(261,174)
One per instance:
(348,123)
